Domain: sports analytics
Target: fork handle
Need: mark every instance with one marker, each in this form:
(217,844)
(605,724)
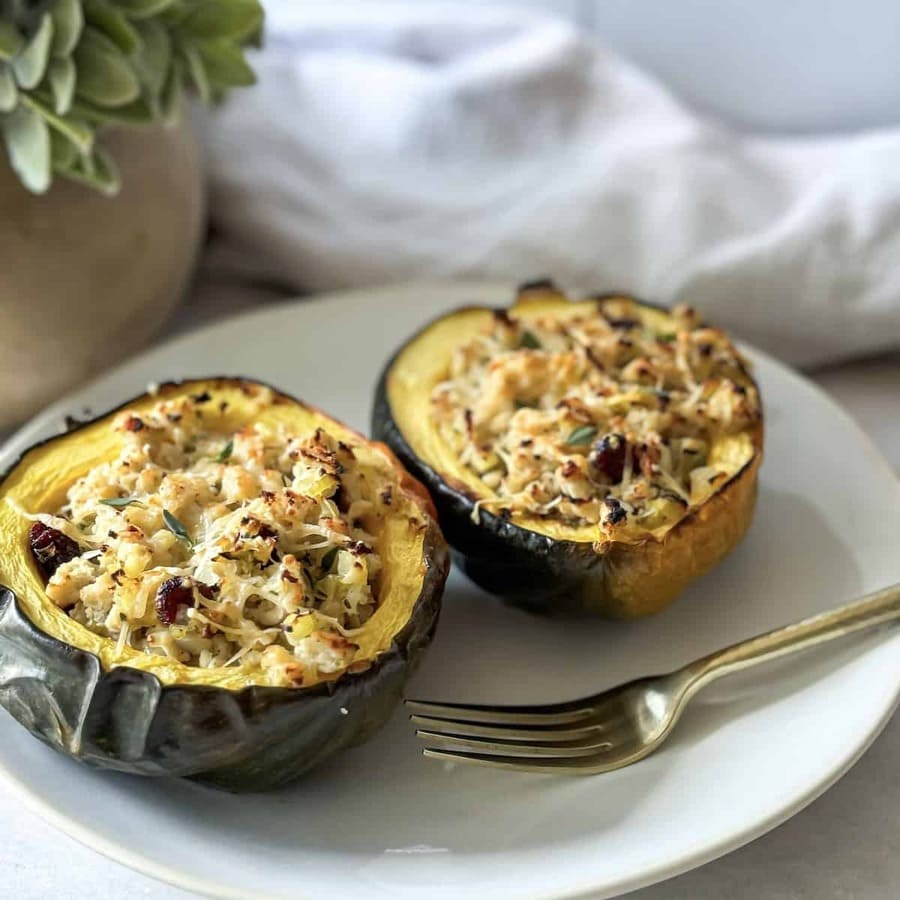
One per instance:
(874,609)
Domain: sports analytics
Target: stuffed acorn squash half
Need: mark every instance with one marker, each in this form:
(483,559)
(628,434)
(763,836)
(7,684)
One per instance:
(216,581)
(590,456)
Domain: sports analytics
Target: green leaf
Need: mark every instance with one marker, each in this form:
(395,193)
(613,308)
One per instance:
(143,9)
(28,144)
(581,436)
(121,502)
(225,64)
(61,78)
(530,341)
(63,153)
(104,76)
(9,93)
(154,56)
(176,527)
(256,38)
(328,559)
(170,99)
(113,24)
(104,172)
(68,20)
(31,63)
(79,133)
(225,452)
(96,170)
(138,112)
(11,40)
(196,70)
(233,19)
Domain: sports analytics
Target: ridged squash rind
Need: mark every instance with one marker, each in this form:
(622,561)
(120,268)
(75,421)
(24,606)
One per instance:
(250,739)
(556,576)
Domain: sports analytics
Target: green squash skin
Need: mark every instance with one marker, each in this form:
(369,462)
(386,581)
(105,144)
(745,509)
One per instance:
(255,739)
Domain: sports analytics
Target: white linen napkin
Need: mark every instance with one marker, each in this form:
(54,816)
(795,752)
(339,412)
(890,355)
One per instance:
(387,142)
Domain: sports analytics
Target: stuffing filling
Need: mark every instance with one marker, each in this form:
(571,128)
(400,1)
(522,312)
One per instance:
(218,549)
(596,419)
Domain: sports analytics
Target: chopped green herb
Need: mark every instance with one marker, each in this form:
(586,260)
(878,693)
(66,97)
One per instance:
(581,436)
(661,337)
(176,527)
(226,451)
(530,341)
(121,502)
(328,559)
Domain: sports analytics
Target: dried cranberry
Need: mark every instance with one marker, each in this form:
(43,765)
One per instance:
(267,532)
(207,590)
(615,512)
(608,456)
(171,594)
(50,547)
(623,324)
(341,498)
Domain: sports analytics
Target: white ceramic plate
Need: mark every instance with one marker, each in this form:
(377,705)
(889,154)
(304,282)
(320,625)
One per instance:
(382,821)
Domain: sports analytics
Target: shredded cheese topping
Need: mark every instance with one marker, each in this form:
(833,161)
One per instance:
(598,418)
(221,548)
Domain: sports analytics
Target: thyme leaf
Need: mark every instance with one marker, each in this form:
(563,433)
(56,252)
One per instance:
(581,436)
(530,341)
(120,502)
(226,451)
(177,528)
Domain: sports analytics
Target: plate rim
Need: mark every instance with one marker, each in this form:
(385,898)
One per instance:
(185,880)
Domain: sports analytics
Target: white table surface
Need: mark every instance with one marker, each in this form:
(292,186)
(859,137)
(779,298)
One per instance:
(845,846)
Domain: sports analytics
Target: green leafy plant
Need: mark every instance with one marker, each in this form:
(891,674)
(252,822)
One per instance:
(69,68)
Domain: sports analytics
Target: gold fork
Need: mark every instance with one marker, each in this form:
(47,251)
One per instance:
(626,723)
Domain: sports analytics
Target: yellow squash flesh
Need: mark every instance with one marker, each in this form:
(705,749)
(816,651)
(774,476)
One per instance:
(39,481)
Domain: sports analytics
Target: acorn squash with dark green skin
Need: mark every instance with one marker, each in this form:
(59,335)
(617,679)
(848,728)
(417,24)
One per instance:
(144,714)
(542,565)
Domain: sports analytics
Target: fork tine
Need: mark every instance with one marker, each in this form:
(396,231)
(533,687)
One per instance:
(552,714)
(589,747)
(551,766)
(510,732)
